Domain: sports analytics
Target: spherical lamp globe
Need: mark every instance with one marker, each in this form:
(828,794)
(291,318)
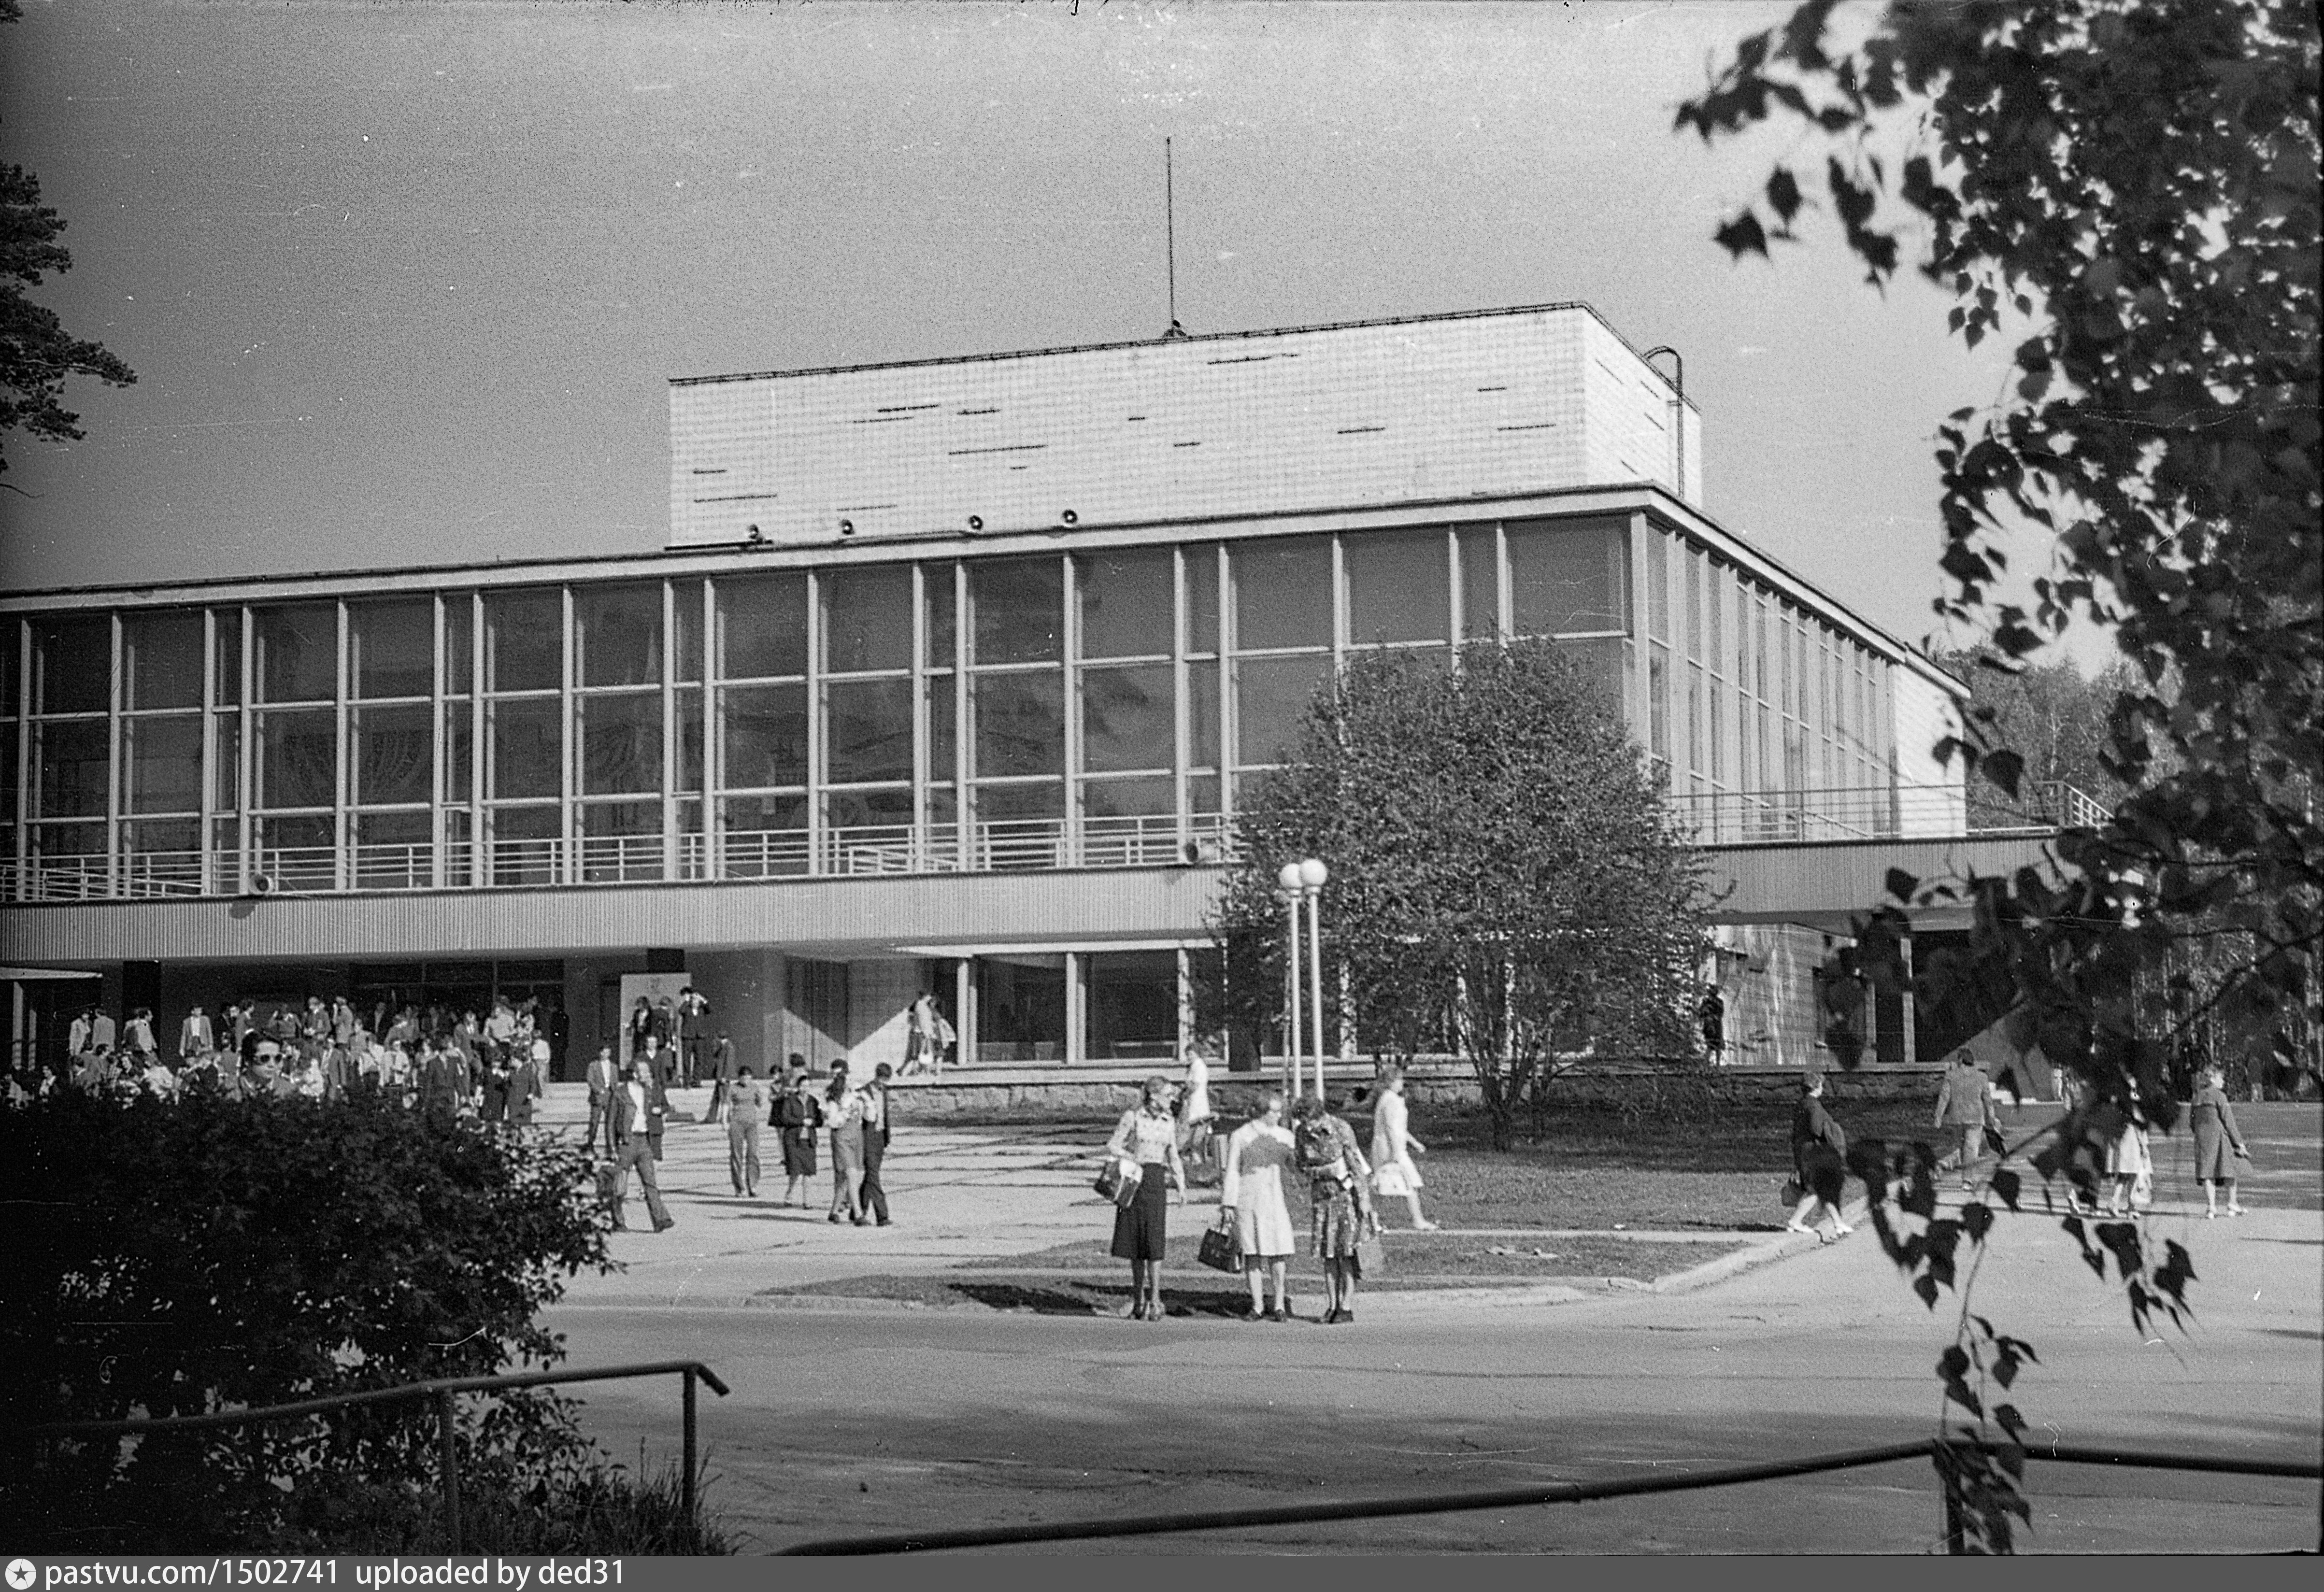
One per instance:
(1289,877)
(1313,874)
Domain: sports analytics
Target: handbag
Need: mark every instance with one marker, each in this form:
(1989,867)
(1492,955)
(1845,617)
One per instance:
(1791,1193)
(1995,1141)
(1220,1249)
(1119,1180)
(1371,1256)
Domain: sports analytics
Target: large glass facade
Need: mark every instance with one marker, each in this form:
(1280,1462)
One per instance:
(1093,707)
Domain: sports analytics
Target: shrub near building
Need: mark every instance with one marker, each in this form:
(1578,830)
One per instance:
(208,1253)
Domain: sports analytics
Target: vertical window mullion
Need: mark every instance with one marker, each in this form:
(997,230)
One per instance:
(1070,678)
(208,803)
(343,761)
(1182,739)
(918,847)
(669,749)
(569,743)
(816,725)
(962,748)
(115,772)
(1223,681)
(709,865)
(22,640)
(246,756)
(439,738)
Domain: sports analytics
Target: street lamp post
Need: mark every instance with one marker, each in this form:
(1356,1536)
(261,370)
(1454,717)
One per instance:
(1312,876)
(1291,883)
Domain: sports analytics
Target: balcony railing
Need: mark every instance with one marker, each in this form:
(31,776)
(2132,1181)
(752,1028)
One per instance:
(1015,845)
(1902,811)
(1006,846)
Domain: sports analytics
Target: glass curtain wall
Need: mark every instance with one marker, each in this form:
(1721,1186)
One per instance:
(1096,707)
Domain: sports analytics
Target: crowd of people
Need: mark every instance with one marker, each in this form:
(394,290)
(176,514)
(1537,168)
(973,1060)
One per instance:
(446,1064)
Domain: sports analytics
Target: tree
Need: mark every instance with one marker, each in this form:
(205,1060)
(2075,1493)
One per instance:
(36,353)
(2133,184)
(1507,880)
(2050,714)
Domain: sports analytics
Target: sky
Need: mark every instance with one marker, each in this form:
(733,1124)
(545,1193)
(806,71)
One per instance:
(403,283)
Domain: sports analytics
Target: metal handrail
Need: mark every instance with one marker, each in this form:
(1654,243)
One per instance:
(444,1391)
(1563,1492)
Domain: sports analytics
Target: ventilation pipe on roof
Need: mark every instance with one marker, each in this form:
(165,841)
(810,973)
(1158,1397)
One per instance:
(1678,414)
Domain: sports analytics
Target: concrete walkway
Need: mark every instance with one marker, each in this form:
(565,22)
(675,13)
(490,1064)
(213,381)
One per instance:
(959,1195)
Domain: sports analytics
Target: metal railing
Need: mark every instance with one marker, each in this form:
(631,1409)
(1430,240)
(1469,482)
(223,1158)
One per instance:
(1941,1452)
(446,1393)
(1001,846)
(1896,812)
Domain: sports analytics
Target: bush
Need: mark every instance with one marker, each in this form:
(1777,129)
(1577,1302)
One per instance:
(209,1253)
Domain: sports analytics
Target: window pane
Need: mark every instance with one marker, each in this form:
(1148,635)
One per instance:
(1020,604)
(300,832)
(1020,1008)
(761,626)
(1019,724)
(227,795)
(686,608)
(944,727)
(1127,798)
(621,818)
(869,726)
(298,652)
(1658,701)
(69,840)
(1480,589)
(764,731)
(297,759)
(867,619)
(72,664)
(1203,597)
(1202,715)
(1017,804)
(1601,661)
(1658,586)
(161,659)
(528,749)
(868,809)
(163,760)
(1127,720)
(459,643)
(621,744)
(162,834)
(755,813)
(11,666)
(1271,698)
(392,829)
(935,585)
(227,634)
(1399,586)
(524,641)
(71,766)
(1126,604)
(1283,593)
(459,749)
(1133,1004)
(394,755)
(523,842)
(1566,578)
(391,649)
(689,740)
(618,632)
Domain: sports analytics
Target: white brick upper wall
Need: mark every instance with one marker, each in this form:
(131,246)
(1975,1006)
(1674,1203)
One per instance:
(1499,402)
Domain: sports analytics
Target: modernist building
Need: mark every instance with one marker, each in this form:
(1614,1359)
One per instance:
(947,680)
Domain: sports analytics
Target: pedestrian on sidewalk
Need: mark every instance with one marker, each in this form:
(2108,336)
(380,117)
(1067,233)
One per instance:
(1819,1163)
(1340,1200)
(745,1112)
(1965,1107)
(1195,1113)
(843,1110)
(1393,1148)
(633,1107)
(602,1078)
(798,1116)
(1147,1134)
(876,1124)
(1257,1156)
(2129,1164)
(2213,1120)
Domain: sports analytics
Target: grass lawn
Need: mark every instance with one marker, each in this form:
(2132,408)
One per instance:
(1083,1279)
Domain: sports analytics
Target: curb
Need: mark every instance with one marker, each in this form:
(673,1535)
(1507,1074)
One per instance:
(1752,1257)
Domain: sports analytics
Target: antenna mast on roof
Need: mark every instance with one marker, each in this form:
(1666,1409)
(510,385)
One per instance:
(1170,239)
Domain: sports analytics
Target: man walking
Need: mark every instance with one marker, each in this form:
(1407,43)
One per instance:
(634,1116)
(196,1038)
(1965,1106)
(876,1129)
(693,1035)
(722,1075)
(602,1077)
(746,1114)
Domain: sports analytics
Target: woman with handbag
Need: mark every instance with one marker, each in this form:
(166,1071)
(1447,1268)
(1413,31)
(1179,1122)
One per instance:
(799,1115)
(2213,1120)
(1146,1135)
(1252,1199)
(1340,1200)
(1393,1148)
(1819,1163)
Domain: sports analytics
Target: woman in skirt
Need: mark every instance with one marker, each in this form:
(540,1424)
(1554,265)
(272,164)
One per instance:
(799,1115)
(1256,1159)
(1340,1202)
(2217,1138)
(1819,1164)
(1149,1135)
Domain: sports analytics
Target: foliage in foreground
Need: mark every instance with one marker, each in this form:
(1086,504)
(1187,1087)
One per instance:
(206,1253)
(2134,184)
(1507,882)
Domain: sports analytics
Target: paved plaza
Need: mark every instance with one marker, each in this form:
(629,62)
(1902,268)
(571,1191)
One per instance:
(860,1415)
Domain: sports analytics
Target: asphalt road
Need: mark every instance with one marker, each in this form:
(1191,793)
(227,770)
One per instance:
(874,1420)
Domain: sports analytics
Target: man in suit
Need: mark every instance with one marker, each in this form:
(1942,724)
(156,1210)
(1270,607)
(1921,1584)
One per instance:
(656,1062)
(693,1036)
(746,1113)
(722,1076)
(443,1086)
(601,1076)
(877,1129)
(636,1124)
(1965,1107)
